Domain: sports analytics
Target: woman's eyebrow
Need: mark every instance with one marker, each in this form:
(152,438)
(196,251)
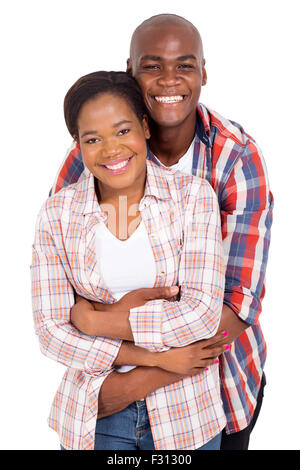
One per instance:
(117,124)
(87,133)
(124,121)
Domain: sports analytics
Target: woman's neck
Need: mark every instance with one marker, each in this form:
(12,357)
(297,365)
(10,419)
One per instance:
(121,206)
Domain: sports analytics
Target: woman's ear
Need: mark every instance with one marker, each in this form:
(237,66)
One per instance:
(76,140)
(146,127)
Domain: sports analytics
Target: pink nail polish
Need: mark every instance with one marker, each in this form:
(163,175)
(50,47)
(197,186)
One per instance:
(216,361)
(206,368)
(227,347)
(225,333)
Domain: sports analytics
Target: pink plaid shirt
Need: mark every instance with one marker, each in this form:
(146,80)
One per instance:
(181,214)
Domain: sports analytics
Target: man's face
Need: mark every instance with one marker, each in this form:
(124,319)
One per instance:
(169,67)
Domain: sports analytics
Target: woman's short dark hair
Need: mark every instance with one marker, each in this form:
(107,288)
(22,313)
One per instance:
(89,86)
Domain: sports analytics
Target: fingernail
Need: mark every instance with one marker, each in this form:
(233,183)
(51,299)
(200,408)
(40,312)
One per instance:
(216,361)
(206,368)
(225,333)
(174,290)
(227,347)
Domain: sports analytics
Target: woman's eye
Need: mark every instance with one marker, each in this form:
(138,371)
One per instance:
(93,140)
(123,131)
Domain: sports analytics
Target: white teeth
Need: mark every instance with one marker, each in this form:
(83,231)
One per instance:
(169,99)
(118,166)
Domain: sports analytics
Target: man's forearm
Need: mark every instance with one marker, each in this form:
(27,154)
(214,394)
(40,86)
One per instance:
(231,323)
(120,390)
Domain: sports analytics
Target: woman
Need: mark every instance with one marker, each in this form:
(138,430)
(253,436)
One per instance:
(128,225)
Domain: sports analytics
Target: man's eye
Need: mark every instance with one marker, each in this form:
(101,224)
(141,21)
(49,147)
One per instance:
(151,67)
(185,66)
(93,140)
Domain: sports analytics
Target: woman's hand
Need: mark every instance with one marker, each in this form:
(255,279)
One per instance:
(189,359)
(137,298)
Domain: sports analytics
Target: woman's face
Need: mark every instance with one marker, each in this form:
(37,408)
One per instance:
(113,141)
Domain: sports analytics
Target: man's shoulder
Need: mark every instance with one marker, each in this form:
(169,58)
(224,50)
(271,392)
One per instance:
(222,128)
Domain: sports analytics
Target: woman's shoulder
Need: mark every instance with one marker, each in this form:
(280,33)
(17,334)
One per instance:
(182,184)
(67,198)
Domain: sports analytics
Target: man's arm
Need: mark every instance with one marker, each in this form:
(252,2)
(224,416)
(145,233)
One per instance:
(120,390)
(246,204)
(71,170)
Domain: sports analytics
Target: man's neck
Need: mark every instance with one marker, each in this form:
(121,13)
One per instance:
(169,144)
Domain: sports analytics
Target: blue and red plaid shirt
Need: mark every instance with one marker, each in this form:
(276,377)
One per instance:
(230,160)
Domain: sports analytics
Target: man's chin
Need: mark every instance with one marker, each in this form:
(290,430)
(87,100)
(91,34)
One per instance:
(168,121)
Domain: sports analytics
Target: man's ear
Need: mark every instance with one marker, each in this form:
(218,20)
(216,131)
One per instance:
(204,73)
(129,67)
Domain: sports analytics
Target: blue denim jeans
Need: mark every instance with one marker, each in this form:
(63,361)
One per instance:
(130,430)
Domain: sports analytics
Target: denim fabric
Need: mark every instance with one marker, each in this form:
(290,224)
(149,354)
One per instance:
(130,430)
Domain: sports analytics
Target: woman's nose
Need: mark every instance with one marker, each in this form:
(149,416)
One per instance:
(110,148)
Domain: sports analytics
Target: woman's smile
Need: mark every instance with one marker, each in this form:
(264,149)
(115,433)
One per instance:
(117,167)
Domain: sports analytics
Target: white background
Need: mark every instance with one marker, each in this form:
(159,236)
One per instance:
(252,54)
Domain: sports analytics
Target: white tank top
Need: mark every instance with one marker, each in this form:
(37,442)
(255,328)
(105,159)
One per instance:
(125,265)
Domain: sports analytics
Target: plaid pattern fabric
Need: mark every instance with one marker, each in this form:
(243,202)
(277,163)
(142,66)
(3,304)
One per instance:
(230,160)
(181,214)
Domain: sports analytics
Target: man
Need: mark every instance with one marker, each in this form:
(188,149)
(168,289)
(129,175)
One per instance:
(166,58)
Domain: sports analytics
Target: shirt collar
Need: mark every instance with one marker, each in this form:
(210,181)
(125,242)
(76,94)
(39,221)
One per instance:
(157,185)
(202,125)
(85,200)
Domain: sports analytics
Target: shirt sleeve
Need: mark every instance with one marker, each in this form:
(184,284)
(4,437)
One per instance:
(52,299)
(160,323)
(71,170)
(246,211)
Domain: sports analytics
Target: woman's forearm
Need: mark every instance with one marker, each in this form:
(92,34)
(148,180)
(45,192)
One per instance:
(132,355)
(102,322)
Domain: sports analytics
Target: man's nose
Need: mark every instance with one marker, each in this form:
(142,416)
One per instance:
(169,78)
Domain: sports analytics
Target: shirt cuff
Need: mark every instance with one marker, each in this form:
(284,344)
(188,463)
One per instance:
(146,325)
(102,356)
(244,304)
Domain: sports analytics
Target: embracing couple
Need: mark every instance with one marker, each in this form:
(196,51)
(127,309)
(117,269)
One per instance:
(149,258)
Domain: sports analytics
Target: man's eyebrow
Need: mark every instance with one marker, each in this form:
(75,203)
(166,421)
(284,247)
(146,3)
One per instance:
(157,57)
(186,57)
(117,124)
(151,57)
